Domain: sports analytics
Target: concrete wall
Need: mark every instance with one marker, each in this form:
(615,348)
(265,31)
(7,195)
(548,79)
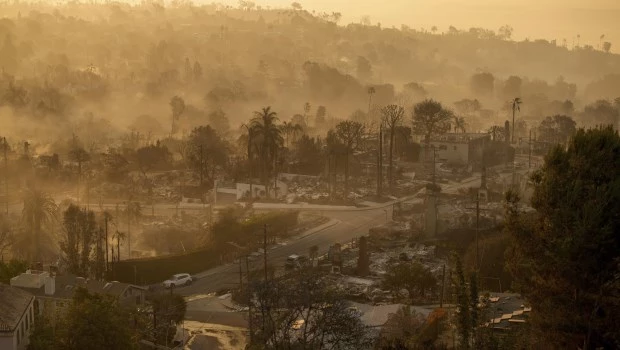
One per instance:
(452,152)
(259,190)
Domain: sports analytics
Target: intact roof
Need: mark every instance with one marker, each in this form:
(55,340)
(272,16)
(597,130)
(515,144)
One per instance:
(65,286)
(13,304)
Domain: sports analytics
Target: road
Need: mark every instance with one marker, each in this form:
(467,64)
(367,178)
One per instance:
(342,227)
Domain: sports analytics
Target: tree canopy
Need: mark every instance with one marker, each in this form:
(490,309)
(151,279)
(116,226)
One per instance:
(565,256)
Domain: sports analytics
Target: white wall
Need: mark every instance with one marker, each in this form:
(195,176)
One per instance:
(454,153)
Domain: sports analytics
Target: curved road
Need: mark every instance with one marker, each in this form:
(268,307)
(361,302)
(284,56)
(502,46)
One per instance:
(342,227)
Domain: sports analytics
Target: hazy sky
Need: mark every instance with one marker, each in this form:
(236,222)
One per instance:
(548,19)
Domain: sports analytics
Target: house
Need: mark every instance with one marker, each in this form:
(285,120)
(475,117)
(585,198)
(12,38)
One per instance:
(508,311)
(16,317)
(53,293)
(460,148)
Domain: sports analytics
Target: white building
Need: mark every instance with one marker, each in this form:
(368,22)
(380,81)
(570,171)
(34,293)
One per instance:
(459,148)
(16,317)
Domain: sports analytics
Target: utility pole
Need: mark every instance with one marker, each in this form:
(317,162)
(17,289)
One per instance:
(443,283)
(477,232)
(6,177)
(250,323)
(477,208)
(380,162)
(201,169)
(105,217)
(529,165)
(240,276)
(265,249)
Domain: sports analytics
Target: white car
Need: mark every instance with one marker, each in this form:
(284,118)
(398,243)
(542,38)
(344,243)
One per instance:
(180,279)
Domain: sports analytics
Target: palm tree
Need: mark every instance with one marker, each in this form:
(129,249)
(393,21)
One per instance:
(250,145)
(516,106)
(269,138)
(290,129)
(497,133)
(39,209)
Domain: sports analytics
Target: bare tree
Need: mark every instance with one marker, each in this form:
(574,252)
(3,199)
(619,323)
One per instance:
(392,117)
(350,134)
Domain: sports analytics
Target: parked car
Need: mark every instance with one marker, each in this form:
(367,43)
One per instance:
(180,279)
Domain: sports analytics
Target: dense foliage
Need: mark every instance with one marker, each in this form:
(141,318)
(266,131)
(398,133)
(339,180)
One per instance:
(565,256)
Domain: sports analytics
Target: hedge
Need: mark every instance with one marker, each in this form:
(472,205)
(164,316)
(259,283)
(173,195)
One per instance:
(158,269)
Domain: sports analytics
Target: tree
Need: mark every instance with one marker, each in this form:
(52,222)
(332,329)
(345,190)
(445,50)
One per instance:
(97,322)
(505,32)
(269,139)
(463,323)
(302,311)
(7,236)
(207,151)
(556,129)
(430,118)
(321,112)
(197,72)
(307,108)
(467,107)
(516,106)
(168,311)
(601,112)
(42,336)
(11,269)
(482,83)
(350,133)
(80,231)
(288,129)
(115,166)
(459,124)
(393,115)
(133,210)
(564,257)
(153,157)
(78,155)
(401,329)
(497,133)
(39,210)
(414,277)
(9,59)
(371,91)
(363,261)
(512,87)
(177,105)
(219,121)
(308,156)
(606,46)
